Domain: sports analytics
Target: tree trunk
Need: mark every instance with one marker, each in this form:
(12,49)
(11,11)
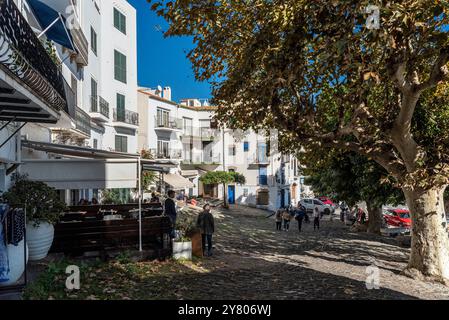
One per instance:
(225,196)
(429,256)
(374,217)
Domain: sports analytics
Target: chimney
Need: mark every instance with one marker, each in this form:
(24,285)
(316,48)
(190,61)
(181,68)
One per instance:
(167,93)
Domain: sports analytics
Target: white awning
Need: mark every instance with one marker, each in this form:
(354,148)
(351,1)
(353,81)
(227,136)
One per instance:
(177,182)
(189,173)
(83,173)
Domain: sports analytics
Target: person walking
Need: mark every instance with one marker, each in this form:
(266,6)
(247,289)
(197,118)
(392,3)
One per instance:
(300,214)
(170,211)
(206,224)
(316,219)
(278,218)
(286,217)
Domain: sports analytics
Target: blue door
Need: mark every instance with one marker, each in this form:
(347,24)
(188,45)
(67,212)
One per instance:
(263,178)
(231,194)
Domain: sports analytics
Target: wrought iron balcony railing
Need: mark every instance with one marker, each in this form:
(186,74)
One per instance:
(168,123)
(260,157)
(99,105)
(82,121)
(126,116)
(201,158)
(205,134)
(170,154)
(24,57)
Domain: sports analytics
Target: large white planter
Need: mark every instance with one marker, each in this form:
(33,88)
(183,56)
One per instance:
(39,240)
(182,250)
(16,263)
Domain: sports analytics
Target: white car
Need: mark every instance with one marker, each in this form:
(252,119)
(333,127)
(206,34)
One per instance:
(310,205)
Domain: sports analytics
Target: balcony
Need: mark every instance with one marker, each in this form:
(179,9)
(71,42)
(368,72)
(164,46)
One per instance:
(168,123)
(99,109)
(259,158)
(125,118)
(170,154)
(201,158)
(82,122)
(202,134)
(39,94)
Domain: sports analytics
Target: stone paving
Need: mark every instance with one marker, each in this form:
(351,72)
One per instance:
(254,261)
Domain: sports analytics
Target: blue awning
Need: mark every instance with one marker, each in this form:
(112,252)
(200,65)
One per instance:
(54,21)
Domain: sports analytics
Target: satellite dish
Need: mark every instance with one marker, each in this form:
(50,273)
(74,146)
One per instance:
(159,88)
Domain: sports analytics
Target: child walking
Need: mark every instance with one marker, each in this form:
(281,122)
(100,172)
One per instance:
(286,217)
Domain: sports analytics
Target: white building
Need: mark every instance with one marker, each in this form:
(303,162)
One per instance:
(186,133)
(98,63)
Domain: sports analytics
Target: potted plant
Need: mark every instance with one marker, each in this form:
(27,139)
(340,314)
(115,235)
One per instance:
(182,244)
(43,208)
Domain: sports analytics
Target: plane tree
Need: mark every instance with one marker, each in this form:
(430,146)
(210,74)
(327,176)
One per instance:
(314,70)
(352,178)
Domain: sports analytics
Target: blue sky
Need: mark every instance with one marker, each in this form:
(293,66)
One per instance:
(162,61)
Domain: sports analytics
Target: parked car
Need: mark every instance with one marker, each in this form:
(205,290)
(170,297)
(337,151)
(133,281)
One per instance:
(326,200)
(310,205)
(399,218)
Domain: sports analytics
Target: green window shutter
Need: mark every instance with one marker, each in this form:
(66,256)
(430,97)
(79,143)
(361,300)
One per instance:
(119,21)
(93,41)
(121,144)
(121,107)
(119,66)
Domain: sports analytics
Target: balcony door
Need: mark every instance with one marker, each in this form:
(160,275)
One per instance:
(93,95)
(163,149)
(163,118)
(188,127)
(121,107)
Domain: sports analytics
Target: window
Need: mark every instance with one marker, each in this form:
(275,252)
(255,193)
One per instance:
(121,144)
(119,21)
(93,41)
(263,178)
(231,170)
(121,107)
(163,118)
(188,127)
(245,192)
(246,146)
(95,144)
(119,66)
(93,95)
(232,151)
(163,149)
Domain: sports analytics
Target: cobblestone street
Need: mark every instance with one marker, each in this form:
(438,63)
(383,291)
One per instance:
(253,261)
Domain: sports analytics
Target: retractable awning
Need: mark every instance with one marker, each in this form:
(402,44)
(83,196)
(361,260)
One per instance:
(74,174)
(53,23)
(177,182)
(189,173)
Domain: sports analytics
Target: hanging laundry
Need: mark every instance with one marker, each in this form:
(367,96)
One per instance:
(4,261)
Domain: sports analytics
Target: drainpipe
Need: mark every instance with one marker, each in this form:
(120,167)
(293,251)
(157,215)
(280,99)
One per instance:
(139,178)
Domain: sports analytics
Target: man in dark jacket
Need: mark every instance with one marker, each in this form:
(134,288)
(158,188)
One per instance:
(206,225)
(170,210)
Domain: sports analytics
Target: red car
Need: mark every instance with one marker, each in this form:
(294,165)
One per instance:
(326,200)
(399,218)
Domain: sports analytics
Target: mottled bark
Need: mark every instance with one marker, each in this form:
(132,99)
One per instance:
(429,256)
(374,217)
